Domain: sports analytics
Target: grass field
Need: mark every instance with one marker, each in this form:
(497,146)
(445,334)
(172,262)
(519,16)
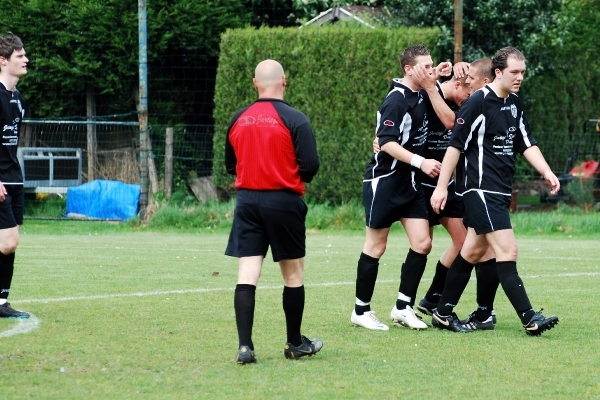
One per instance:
(126,315)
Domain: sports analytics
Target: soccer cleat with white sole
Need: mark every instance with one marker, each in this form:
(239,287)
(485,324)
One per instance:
(368,320)
(407,318)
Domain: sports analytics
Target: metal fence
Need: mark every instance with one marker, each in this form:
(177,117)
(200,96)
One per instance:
(56,155)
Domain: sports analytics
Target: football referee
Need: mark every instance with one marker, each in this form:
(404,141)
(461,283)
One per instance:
(271,149)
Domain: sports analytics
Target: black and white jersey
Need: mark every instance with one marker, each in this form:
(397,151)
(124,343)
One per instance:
(438,136)
(490,131)
(402,117)
(12,111)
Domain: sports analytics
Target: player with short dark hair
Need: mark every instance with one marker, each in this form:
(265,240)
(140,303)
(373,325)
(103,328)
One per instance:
(271,149)
(392,191)
(13,65)
(467,77)
(491,129)
(479,73)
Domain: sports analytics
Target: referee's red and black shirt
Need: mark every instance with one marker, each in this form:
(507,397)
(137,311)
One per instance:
(270,146)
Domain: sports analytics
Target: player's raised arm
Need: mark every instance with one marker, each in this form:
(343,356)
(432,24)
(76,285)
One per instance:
(428,81)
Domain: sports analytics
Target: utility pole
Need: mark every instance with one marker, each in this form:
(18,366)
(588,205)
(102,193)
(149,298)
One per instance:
(143,106)
(458,31)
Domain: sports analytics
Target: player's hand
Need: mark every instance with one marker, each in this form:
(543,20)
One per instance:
(553,181)
(424,78)
(3,192)
(443,69)
(376,148)
(461,69)
(431,167)
(438,199)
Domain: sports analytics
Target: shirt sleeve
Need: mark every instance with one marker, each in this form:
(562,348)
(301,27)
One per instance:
(230,157)
(469,120)
(305,147)
(390,118)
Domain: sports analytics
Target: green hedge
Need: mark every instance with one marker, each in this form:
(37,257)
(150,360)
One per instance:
(337,76)
(559,103)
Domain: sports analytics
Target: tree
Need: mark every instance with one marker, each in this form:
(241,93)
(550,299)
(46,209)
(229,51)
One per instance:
(93,44)
(487,25)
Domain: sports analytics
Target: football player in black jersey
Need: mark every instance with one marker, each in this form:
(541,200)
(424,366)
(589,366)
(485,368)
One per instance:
(455,92)
(443,100)
(491,129)
(13,65)
(392,192)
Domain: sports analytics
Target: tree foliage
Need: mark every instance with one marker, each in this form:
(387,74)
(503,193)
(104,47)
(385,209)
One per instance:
(487,25)
(567,92)
(76,45)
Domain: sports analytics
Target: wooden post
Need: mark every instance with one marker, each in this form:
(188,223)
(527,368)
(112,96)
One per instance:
(92,146)
(152,169)
(26,140)
(458,31)
(169,163)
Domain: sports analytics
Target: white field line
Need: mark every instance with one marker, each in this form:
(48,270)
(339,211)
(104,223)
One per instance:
(207,290)
(23,326)
(318,252)
(31,323)
(166,248)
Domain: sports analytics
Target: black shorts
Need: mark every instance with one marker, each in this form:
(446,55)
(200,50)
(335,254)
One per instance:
(387,199)
(454,205)
(11,209)
(486,212)
(274,218)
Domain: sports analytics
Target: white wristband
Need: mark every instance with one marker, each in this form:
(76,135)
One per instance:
(416,161)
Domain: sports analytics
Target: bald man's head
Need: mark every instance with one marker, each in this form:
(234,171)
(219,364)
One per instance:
(269,77)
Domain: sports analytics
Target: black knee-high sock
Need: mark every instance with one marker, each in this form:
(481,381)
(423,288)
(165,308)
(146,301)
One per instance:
(514,289)
(366,275)
(456,282)
(487,285)
(7,268)
(293,307)
(243,302)
(410,276)
(437,284)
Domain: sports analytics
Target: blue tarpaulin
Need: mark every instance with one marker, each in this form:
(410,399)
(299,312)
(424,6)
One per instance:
(103,199)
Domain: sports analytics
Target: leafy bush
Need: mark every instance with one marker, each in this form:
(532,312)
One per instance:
(337,76)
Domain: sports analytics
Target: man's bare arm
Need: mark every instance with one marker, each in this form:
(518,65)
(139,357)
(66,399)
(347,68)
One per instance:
(440,194)
(428,83)
(429,166)
(534,156)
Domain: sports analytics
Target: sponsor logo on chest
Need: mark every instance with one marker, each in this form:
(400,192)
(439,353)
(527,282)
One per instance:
(512,108)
